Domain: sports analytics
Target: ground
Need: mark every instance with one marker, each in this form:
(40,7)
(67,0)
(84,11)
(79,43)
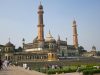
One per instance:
(13,70)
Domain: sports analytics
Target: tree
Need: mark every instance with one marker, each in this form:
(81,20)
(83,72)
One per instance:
(81,50)
(98,53)
(19,49)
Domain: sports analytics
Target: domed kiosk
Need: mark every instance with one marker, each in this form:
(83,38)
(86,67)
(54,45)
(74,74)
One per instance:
(9,51)
(50,41)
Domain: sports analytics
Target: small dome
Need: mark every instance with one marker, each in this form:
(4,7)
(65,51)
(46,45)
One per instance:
(23,39)
(49,38)
(93,48)
(9,44)
(74,22)
(40,7)
(35,40)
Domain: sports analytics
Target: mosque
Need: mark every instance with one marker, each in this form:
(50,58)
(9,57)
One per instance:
(41,49)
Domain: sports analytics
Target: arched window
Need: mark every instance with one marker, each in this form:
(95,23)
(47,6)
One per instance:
(20,57)
(30,57)
(8,49)
(52,55)
(62,53)
(8,57)
(33,57)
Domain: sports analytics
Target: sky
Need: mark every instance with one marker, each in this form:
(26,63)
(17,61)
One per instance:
(19,19)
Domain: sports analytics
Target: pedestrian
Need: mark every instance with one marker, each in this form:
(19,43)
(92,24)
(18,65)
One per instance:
(0,64)
(78,69)
(25,66)
(5,64)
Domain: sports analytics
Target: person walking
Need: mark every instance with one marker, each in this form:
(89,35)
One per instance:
(0,64)
(5,64)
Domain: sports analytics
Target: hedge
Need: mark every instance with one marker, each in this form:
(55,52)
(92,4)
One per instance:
(54,71)
(91,72)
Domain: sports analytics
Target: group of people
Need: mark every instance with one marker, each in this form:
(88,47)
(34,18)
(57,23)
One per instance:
(4,64)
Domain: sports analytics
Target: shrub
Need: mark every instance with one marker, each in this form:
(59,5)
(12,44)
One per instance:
(54,71)
(91,72)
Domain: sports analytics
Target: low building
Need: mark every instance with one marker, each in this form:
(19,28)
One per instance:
(92,52)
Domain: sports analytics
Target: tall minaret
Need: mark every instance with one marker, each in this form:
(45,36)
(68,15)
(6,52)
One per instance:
(58,43)
(75,38)
(40,24)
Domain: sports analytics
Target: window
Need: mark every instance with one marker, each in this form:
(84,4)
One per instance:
(52,55)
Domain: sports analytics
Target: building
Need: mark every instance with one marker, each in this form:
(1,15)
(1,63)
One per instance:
(42,49)
(91,53)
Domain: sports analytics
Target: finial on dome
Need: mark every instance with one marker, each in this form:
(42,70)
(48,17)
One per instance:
(9,39)
(58,37)
(40,5)
(74,21)
(40,2)
(49,31)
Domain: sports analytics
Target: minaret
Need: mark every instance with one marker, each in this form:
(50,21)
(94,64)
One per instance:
(40,25)
(58,43)
(75,38)
(23,41)
(58,37)
(66,41)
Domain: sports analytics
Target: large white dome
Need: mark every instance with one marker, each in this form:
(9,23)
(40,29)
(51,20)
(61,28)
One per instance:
(49,38)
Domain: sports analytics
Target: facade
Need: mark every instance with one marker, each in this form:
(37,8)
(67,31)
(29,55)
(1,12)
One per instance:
(92,52)
(41,49)
(7,51)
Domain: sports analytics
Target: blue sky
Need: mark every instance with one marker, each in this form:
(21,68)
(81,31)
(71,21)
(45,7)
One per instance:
(19,19)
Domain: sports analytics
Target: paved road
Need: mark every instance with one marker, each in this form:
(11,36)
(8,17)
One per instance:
(12,70)
(19,71)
